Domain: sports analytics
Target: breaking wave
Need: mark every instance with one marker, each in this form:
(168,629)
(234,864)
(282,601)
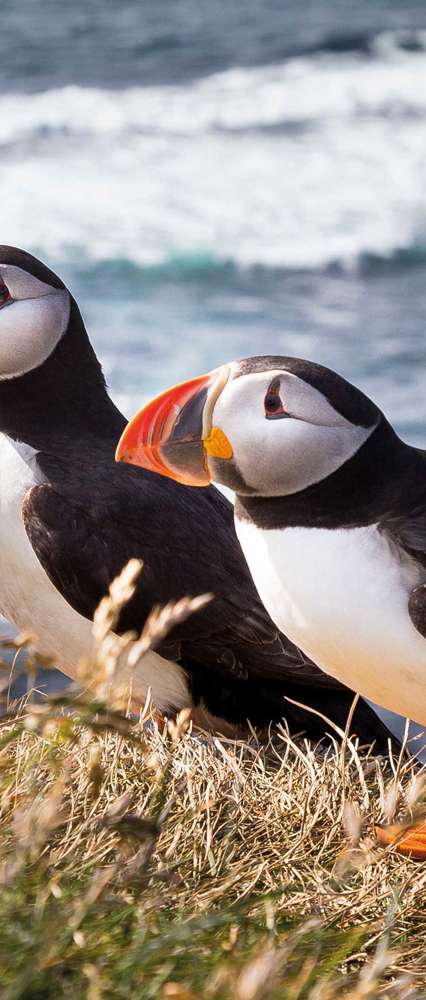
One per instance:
(317,162)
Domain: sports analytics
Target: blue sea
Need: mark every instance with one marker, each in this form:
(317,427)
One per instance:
(217,180)
(214,180)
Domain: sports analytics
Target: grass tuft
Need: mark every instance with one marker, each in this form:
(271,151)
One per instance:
(144,859)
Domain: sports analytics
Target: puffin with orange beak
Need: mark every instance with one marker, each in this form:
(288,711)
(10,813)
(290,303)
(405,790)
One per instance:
(71,518)
(330,511)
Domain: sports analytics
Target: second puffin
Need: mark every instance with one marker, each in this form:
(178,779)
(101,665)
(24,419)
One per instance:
(330,511)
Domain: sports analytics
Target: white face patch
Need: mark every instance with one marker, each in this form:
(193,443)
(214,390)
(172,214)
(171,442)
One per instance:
(31,322)
(277,457)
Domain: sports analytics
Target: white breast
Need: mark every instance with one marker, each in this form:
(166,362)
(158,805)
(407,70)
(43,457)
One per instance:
(341,595)
(31,602)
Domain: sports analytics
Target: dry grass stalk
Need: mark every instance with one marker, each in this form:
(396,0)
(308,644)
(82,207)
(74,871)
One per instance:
(238,869)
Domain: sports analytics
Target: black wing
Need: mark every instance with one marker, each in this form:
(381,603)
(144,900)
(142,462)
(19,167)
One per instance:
(237,661)
(82,553)
(417,608)
(408,532)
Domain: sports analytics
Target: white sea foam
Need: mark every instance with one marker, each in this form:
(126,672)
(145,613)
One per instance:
(304,89)
(318,159)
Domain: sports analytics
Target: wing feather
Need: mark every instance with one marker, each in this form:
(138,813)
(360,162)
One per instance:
(239,663)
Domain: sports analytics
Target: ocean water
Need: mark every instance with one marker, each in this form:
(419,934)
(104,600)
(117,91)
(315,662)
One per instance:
(219,180)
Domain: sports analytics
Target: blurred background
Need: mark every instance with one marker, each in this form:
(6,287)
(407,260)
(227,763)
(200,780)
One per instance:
(221,179)
(214,180)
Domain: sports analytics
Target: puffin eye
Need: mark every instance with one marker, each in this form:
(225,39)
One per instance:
(274,408)
(5,295)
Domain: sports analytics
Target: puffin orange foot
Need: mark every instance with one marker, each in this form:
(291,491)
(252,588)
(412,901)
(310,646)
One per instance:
(408,840)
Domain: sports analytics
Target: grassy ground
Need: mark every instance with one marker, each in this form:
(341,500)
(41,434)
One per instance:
(145,861)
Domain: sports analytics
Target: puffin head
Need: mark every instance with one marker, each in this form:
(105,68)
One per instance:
(47,364)
(34,312)
(264,426)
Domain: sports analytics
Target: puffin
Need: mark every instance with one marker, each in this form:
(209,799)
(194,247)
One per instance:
(330,511)
(72,518)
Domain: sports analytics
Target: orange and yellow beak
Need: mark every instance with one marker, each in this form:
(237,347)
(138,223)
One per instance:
(174,434)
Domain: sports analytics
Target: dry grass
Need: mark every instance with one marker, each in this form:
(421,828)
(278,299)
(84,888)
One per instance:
(158,862)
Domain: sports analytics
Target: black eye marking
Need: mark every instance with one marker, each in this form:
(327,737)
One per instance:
(5,295)
(274,408)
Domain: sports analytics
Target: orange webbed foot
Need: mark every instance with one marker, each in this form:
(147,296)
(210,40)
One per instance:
(409,839)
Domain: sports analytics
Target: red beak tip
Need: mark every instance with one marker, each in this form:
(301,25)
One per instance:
(123,456)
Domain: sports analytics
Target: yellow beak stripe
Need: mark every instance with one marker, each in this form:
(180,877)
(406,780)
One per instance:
(216,444)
